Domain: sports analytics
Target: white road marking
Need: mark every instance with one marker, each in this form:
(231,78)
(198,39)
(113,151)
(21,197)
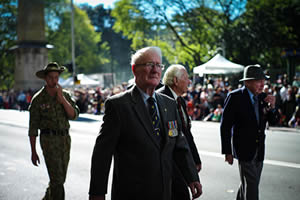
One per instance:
(270,162)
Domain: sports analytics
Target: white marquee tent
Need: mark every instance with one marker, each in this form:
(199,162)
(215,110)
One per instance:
(218,65)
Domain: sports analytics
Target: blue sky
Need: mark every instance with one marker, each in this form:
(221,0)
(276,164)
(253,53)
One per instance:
(107,3)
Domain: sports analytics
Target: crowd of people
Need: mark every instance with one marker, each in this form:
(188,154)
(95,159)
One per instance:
(204,101)
(154,122)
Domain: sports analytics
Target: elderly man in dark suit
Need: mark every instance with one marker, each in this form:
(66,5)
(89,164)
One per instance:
(176,81)
(141,131)
(243,123)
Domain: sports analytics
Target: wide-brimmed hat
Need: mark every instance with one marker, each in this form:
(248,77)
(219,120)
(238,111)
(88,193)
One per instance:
(51,67)
(254,72)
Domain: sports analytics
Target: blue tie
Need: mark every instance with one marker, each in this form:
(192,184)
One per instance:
(255,104)
(154,116)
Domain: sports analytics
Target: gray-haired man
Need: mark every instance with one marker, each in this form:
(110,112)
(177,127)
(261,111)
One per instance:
(176,81)
(243,123)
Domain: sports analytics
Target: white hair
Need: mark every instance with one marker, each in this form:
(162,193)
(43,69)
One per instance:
(175,70)
(139,54)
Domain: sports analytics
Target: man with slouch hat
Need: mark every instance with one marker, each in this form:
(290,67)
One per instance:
(50,110)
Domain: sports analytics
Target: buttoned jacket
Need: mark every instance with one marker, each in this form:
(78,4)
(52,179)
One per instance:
(187,133)
(142,166)
(239,126)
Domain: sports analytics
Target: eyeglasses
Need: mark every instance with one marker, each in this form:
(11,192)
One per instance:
(152,65)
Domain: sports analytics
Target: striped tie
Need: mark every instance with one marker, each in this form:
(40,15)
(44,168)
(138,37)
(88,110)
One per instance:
(154,116)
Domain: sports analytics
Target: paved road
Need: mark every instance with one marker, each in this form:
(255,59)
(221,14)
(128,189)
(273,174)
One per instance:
(20,180)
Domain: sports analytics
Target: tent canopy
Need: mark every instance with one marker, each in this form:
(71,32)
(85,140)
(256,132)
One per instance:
(218,65)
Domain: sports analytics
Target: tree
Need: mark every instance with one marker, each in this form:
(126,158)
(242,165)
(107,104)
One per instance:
(89,56)
(8,36)
(192,29)
(264,31)
(119,46)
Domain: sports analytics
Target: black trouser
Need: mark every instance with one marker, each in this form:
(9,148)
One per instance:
(250,173)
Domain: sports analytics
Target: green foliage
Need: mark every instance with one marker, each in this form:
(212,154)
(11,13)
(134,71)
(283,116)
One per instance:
(264,31)
(128,15)
(89,56)
(8,37)
(191,28)
(189,32)
(119,46)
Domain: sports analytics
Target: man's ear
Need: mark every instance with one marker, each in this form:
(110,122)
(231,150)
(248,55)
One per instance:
(133,68)
(175,80)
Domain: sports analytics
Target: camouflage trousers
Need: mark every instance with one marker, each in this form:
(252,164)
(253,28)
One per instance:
(56,151)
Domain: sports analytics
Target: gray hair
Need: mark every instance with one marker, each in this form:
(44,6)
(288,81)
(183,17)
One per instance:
(139,55)
(175,70)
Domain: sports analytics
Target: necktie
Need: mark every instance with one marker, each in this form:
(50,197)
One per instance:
(154,116)
(255,104)
(184,126)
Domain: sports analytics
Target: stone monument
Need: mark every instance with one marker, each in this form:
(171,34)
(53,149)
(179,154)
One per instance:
(31,49)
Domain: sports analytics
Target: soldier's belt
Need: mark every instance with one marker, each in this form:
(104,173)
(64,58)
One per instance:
(55,132)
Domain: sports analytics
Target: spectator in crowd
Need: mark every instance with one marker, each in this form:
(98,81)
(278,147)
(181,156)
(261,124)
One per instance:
(217,113)
(295,120)
(197,115)
(218,98)
(296,81)
(1,100)
(289,105)
(22,101)
(82,101)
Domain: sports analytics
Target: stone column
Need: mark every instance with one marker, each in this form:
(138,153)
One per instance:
(31,52)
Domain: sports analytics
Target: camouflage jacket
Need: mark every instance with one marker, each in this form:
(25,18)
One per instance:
(47,113)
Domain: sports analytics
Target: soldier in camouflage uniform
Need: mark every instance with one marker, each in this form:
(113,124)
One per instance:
(50,110)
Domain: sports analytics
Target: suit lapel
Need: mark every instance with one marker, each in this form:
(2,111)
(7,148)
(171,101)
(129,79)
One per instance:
(185,111)
(143,115)
(168,92)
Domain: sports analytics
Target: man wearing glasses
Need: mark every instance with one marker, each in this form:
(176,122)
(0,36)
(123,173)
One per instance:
(140,130)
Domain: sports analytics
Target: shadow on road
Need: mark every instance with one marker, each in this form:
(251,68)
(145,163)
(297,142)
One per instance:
(85,119)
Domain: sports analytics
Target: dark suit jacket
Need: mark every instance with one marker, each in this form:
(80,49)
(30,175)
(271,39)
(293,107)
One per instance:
(188,134)
(142,167)
(239,123)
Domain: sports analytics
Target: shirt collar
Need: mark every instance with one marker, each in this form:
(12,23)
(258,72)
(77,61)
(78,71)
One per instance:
(173,93)
(251,95)
(145,96)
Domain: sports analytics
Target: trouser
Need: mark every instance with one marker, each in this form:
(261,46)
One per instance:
(56,151)
(250,173)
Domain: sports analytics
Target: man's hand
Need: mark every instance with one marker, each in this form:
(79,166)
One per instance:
(59,94)
(229,159)
(92,197)
(198,167)
(271,100)
(35,159)
(196,189)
